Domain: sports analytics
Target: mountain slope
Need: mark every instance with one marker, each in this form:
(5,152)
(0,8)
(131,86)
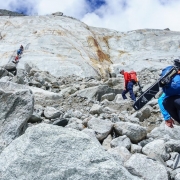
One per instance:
(65,46)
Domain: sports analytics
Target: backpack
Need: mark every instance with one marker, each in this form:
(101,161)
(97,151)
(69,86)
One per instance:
(173,87)
(133,76)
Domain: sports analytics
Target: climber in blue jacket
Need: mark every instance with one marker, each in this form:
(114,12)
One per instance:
(169,102)
(170,108)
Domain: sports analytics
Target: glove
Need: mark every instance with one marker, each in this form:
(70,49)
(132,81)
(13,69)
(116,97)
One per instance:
(169,123)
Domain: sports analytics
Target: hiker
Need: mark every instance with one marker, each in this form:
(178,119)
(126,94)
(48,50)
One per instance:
(16,58)
(169,102)
(128,85)
(19,52)
(21,48)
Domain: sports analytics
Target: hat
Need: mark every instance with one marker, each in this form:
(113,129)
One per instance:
(177,63)
(121,70)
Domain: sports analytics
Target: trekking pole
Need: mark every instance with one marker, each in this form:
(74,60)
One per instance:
(140,87)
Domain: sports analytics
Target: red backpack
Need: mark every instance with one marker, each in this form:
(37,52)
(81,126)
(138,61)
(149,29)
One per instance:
(133,76)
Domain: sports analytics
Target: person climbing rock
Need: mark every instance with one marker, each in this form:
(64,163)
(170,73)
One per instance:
(19,52)
(128,85)
(16,60)
(169,101)
(21,48)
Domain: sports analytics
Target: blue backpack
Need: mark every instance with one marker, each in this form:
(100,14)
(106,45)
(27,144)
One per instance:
(173,87)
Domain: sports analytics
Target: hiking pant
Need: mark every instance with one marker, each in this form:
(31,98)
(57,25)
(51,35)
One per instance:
(129,88)
(172,105)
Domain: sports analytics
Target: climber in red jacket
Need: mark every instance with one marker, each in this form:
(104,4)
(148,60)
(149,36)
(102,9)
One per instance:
(128,85)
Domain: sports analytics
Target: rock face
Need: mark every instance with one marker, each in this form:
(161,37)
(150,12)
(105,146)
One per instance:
(82,50)
(72,73)
(16,108)
(54,159)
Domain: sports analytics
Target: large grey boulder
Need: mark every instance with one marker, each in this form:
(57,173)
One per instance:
(134,131)
(16,108)
(165,132)
(156,147)
(146,168)
(45,98)
(101,127)
(48,152)
(88,93)
(10,67)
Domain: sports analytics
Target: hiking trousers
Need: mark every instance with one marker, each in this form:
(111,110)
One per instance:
(129,88)
(172,105)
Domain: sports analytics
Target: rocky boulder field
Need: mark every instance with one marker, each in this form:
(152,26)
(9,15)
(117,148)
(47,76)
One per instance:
(76,126)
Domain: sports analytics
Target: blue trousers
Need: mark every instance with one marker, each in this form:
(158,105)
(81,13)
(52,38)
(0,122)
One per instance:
(129,88)
(172,105)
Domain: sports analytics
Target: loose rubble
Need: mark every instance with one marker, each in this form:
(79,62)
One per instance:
(92,106)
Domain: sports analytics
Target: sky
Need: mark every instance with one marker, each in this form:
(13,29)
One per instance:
(120,15)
